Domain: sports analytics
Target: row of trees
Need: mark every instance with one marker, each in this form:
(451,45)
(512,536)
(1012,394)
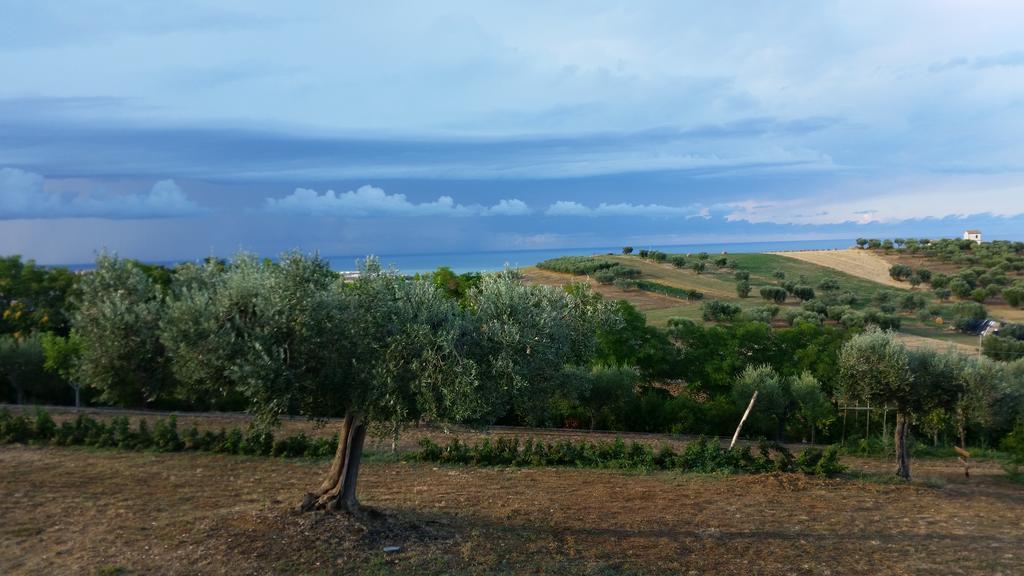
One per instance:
(291,337)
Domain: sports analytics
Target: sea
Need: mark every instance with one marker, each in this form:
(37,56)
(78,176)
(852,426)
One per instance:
(462,262)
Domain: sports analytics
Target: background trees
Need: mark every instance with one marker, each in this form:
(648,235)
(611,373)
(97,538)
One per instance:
(117,315)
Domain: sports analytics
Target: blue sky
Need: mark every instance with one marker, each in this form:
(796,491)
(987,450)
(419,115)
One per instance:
(174,130)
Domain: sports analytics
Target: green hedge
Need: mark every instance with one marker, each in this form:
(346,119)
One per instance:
(703,456)
(669,290)
(164,436)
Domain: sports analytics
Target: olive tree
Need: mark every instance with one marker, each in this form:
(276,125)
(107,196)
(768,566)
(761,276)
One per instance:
(813,407)
(874,367)
(117,315)
(21,364)
(293,337)
(774,401)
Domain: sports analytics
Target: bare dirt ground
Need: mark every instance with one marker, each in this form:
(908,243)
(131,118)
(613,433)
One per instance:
(862,263)
(77,511)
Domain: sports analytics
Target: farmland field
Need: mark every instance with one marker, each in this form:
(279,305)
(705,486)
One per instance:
(82,511)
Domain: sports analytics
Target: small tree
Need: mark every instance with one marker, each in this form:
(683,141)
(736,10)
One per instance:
(604,388)
(914,280)
(775,294)
(627,250)
(21,364)
(900,272)
(862,242)
(698,266)
(117,317)
(62,355)
(774,400)
(876,368)
(813,407)
(743,288)
(678,260)
(828,285)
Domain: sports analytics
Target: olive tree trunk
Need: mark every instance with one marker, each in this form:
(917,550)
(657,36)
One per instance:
(338,490)
(902,457)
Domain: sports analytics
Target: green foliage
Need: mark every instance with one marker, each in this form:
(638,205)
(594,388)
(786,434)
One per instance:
(678,260)
(162,437)
(743,288)
(578,265)
(775,294)
(117,316)
(900,272)
(22,368)
(719,311)
(703,456)
(673,291)
(33,298)
(627,250)
(820,462)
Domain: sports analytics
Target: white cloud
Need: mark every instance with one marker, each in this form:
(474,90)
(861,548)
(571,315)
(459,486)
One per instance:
(370,200)
(23,195)
(568,208)
(951,197)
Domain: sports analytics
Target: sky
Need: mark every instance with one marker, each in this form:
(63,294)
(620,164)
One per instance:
(178,130)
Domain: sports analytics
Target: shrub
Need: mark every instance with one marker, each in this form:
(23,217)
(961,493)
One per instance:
(741,275)
(743,288)
(775,294)
(717,310)
(165,435)
(627,250)
(900,272)
(678,260)
(804,293)
(820,462)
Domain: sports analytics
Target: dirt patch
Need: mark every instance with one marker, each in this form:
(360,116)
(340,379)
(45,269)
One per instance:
(856,262)
(79,511)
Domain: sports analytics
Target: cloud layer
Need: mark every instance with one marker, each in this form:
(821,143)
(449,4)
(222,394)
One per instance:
(24,195)
(372,201)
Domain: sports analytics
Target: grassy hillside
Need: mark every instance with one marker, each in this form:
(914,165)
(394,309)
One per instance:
(719,283)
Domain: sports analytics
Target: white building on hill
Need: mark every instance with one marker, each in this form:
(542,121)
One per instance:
(973,235)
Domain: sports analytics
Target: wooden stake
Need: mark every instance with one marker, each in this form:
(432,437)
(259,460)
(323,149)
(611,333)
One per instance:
(742,420)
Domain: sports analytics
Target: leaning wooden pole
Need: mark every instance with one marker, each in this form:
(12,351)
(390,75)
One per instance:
(742,420)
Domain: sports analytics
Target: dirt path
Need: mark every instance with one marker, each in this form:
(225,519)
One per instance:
(72,511)
(862,263)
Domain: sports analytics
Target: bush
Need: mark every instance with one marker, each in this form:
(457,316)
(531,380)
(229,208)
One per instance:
(900,272)
(717,310)
(820,462)
(577,265)
(678,260)
(804,293)
(741,275)
(165,435)
(703,456)
(775,294)
(743,288)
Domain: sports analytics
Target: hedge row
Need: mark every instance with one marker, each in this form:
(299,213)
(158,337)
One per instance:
(163,436)
(578,265)
(673,291)
(704,456)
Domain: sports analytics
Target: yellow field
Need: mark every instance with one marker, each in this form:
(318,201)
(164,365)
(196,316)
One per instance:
(862,263)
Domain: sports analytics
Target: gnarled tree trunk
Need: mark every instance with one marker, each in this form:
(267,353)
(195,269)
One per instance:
(902,457)
(338,490)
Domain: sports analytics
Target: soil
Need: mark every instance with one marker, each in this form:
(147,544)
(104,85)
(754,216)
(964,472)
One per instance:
(80,511)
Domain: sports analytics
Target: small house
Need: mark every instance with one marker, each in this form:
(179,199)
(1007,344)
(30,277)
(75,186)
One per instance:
(974,235)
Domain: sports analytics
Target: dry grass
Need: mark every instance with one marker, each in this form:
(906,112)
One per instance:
(75,511)
(863,263)
(918,342)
